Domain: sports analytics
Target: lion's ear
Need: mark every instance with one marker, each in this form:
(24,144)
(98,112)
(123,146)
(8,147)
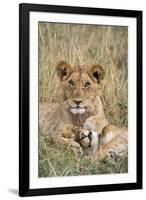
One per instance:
(63,70)
(97,72)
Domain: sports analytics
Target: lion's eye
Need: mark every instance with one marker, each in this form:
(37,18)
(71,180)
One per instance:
(71,83)
(87,84)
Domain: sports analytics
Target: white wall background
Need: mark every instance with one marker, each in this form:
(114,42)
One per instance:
(9,40)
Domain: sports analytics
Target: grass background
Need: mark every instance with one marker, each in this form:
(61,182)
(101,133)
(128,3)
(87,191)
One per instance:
(83,44)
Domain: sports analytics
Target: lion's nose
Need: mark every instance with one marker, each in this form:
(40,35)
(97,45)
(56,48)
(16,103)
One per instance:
(77,101)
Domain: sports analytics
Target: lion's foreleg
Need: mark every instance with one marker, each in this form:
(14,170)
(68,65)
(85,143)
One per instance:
(95,125)
(118,146)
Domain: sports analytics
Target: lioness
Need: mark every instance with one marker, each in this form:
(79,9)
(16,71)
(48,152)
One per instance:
(80,94)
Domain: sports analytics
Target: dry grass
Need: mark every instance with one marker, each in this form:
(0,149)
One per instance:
(56,160)
(82,44)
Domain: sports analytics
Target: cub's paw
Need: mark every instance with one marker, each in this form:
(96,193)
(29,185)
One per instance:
(68,131)
(76,148)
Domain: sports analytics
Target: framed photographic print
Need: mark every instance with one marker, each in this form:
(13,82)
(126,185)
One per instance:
(80,99)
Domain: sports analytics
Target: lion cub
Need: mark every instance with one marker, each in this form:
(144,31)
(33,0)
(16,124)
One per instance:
(79,135)
(103,141)
(90,135)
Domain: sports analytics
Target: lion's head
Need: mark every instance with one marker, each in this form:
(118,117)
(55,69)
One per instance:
(80,84)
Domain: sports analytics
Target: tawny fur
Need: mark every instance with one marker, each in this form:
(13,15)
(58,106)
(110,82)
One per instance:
(117,145)
(79,135)
(80,101)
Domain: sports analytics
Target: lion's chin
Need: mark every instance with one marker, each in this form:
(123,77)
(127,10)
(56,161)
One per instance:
(78,110)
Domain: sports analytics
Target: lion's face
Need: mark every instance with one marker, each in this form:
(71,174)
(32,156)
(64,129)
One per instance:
(80,86)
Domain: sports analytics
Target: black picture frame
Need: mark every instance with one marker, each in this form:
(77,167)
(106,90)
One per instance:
(24,10)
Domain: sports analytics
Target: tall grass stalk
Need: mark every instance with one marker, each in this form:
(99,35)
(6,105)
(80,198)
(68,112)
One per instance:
(82,44)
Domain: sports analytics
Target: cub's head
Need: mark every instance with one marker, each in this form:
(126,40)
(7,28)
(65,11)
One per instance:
(80,135)
(80,85)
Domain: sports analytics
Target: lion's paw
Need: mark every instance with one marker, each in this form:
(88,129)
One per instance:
(90,124)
